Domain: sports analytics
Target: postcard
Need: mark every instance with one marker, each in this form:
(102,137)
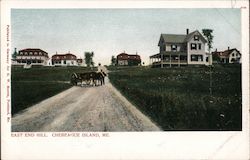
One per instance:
(125,80)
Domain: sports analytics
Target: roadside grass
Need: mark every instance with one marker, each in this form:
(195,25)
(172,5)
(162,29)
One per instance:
(179,99)
(30,86)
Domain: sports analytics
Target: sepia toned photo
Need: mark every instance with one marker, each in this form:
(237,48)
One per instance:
(121,70)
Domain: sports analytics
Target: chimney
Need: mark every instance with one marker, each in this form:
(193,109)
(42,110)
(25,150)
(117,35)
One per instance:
(187,30)
(228,48)
(216,50)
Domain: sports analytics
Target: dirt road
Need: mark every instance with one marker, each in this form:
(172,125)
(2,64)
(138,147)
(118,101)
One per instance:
(100,108)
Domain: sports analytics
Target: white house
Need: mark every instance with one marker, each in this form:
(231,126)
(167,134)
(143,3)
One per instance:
(178,49)
(228,56)
(31,56)
(67,59)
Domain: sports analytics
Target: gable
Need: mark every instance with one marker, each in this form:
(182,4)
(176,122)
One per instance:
(191,35)
(179,38)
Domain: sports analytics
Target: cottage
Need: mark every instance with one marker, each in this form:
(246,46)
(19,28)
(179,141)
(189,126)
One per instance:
(67,59)
(178,49)
(124,59)
(30,56)
(227,56)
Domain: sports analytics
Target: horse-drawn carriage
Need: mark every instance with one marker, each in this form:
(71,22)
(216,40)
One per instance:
(88,78)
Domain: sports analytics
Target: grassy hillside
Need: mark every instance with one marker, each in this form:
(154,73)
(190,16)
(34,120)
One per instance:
(179,99)
(30,86)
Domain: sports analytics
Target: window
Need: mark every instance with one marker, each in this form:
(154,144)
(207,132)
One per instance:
(196,38)
(21,53)
(193,46)
(26,53)
(35,53)
(199,46)
(233,54)
(173,47)
(31,53)
(197,58)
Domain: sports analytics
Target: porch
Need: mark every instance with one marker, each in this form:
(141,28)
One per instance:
(169,59)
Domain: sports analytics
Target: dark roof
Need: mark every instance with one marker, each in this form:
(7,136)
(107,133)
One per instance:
(125,56)
(225,53)
(180,38)
(33,50)
(175,38)
(67,56)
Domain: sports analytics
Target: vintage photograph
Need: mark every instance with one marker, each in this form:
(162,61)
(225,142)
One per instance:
(122,70)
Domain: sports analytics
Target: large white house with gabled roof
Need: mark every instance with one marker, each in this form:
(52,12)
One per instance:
(178,49)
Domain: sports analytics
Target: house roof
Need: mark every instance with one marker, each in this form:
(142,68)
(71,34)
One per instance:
(67,56)
(180,38)
(173,38)
(31,51)
(225,53)
(125,56)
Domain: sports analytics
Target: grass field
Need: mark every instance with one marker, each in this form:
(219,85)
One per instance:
(30,86)
(179,99)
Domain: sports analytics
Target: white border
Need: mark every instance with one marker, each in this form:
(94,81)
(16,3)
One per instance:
(128,145)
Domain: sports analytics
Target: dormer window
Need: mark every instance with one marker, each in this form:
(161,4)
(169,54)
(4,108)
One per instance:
(40,53)
(173,47)
(196,37)
(31,53)
(35,53)
(21,53)
(26,53)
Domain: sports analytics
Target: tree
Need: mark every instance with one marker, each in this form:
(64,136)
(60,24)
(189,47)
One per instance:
(89,58)
(113,61)
(14,54)
(209,37)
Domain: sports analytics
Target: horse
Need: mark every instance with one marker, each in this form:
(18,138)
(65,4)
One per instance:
(99,78)
(86,77)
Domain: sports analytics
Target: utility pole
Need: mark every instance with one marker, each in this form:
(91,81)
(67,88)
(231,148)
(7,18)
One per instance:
(210,73)
(161,60)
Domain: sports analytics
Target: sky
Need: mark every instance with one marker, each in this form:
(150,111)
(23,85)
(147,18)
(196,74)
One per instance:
(109,32)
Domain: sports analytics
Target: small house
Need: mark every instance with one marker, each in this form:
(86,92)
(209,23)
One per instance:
(227,56)
(67,59)
(124,59)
